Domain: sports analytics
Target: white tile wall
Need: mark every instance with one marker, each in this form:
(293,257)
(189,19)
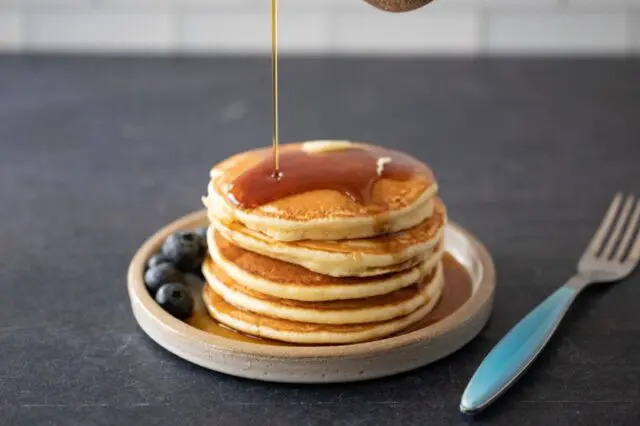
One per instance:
(86,31)
(558,32)
(634,23)
(438,32)
(46,4)
(10,31)
(459,27)
(250,33)
(604,3)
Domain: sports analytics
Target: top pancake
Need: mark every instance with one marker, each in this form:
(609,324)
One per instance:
(326,214)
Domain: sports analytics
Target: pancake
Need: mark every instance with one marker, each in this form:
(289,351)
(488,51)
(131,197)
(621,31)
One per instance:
(309,333)
(289,281)
(358,257)
(353,311)
(327,214)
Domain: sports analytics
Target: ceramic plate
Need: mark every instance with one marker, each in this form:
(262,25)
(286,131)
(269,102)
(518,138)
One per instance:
(317,364)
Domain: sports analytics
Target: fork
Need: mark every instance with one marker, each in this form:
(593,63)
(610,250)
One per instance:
(611,256)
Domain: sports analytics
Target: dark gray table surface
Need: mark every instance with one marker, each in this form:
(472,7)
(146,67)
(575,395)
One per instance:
(96,154)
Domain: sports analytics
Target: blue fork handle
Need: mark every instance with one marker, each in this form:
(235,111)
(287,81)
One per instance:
(514,353)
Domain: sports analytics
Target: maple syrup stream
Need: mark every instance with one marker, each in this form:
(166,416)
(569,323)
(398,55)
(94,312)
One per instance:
(275,137)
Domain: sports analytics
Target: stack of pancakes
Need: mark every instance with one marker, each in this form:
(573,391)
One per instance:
(319,267)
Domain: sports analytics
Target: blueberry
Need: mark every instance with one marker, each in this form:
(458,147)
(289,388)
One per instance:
(185,250)
(175,299)
(161,274)
(202,233)
(156,260)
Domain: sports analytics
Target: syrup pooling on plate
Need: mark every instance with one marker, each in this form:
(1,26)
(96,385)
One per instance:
(456,291)
(352,171)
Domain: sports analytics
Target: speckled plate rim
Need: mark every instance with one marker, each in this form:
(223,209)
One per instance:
(317,364)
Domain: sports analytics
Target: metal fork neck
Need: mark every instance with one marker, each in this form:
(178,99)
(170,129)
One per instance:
(578,282)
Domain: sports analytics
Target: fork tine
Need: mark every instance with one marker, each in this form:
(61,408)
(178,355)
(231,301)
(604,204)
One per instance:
(601,233)
(620,221)
(634,254)
(631,228)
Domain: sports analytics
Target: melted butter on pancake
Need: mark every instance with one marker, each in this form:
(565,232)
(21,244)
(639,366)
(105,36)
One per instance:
(319,147)
(382,161)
